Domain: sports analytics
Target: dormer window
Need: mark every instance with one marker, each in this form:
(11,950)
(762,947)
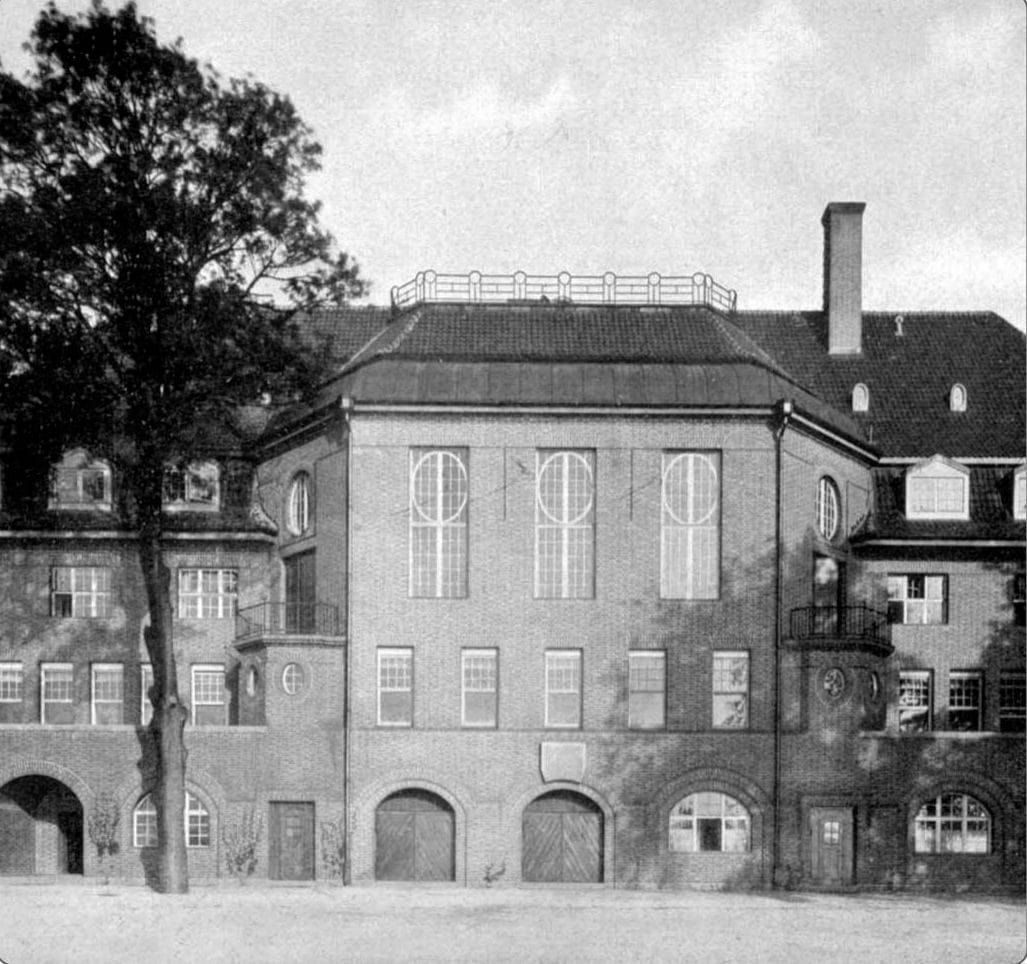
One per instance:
(192,487)
(1020,493)
(861,398)
(957,398)
(81,483)
(938,489)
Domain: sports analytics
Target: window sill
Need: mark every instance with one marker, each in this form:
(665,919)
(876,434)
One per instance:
(960,735)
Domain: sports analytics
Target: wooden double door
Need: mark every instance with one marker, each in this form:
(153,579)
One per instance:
(414,838)
(562,839)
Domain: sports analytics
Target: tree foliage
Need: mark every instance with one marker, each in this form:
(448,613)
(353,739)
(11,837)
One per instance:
(157,246)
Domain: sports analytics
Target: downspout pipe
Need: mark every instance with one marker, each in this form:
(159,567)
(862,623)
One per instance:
(783,414)
(346,408)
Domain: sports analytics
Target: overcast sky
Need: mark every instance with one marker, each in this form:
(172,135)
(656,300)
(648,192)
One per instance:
(649,135)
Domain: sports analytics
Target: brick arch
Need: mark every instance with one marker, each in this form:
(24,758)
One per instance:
(362,820)
(999,802)
(513,823)
(13,769)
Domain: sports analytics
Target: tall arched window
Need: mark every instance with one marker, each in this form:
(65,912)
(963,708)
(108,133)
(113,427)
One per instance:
(828,507)
(953,823)
(957,398)
(860,398)
(297,516)
(709,822)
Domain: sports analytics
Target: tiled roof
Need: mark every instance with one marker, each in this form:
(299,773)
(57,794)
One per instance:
(991,515)
(910,376)
(345,330)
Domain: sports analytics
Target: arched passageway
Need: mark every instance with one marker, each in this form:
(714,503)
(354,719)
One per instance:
(41,828)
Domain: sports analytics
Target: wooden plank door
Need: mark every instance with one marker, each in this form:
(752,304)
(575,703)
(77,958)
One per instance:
(415,838)
(291,841)
(831,845)
(562,840)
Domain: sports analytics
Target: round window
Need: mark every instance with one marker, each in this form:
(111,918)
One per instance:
(298,510)
(827,508)
(293,679)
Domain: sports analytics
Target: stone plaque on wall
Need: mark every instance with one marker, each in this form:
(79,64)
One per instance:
(563,761)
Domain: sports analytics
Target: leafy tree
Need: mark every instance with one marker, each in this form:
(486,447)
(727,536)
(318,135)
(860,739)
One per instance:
(150,211)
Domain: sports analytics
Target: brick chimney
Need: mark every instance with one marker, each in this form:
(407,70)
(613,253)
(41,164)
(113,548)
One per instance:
(843,276)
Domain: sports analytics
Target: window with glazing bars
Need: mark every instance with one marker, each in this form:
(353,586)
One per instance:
(915,701)
(690,526)
(564,524)
(647,686)
(917,599)
(12,682)
(563,688)
(80,592)
(965,702)
(207,593)
(108,693)
(57,689)
(480,689)
(438,523)
(395,687)
(209,706)
(731,690)
(953,823)
(1012,701)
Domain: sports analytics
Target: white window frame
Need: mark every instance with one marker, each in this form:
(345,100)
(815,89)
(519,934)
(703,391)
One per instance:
(294,679)
(958,398)
(1012,701)
(479,674)
(97,685)
(966,693)
(922,596)
(197,822)
(84,590)
(1020,493)
(145,827)
(47,674)
(951,812)
(564,524)
(204,695)
(145,682)
(195,819)
(916,695)
(690,509)
(860,398)
(70,488)
(214,595)
(395,674)
(727,691)
(563,679)
(12,682)
(198,485)
(439,502)
(646,668)
(299,504)
(735,829)
(938,488)
(829,507)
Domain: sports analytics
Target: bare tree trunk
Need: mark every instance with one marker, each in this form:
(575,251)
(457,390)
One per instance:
(169,715)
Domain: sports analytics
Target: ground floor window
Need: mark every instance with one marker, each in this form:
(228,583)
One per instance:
(144,823)
(709,822)
(953,823)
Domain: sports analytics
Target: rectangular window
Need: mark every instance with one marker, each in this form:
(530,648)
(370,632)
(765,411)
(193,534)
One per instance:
(80,592)
(1012,701)
(57,693)
(915,710)
(145,682)
(731,690)
(438,523)
(563,688)
(480,669)
(920,600)
(1020,599)
(395,687)
(209,705)
(965,702)
(108,693)
(12,683)
(564,524)
(194,486)
(647,689)
(690,526)
(207,593)
(78,484)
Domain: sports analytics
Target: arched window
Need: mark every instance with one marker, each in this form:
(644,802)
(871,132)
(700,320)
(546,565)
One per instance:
(860,398)
(144,823)
(709,822)
(297,516)
(957,398)
(81,483)
(953,823)
(828,503)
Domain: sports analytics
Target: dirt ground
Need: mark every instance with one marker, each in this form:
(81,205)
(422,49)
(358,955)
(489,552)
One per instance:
(260,922)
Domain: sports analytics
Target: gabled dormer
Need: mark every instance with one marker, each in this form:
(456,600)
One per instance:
(192,487)
(938,488)
(80,483)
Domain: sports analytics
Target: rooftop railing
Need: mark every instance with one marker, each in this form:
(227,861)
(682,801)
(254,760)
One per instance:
(604,289)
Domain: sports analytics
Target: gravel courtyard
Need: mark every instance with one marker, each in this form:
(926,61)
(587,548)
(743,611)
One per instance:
(260,922)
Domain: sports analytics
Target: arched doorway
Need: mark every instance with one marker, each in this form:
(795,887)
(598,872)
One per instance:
(562,839)
(40,828)
(414,837)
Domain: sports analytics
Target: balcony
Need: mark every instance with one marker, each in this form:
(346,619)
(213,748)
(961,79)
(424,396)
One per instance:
(287,620)
(605,289)
(841,628)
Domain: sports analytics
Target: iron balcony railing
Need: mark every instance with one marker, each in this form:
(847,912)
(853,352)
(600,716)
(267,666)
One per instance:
(607,289)
(287,619)
(840,622)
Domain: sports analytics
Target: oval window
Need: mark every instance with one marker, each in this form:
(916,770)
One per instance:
(293,679)
(298,509)
(827,508)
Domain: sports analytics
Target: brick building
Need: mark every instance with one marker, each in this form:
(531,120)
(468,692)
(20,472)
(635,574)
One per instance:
(570,579)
